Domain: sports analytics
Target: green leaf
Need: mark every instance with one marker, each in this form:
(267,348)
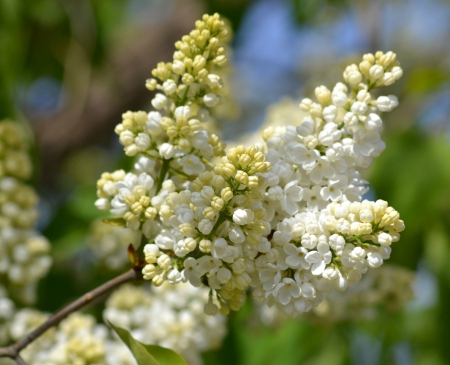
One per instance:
(165,356)
(148,354)
(422,80)
(115,222)
(138,350)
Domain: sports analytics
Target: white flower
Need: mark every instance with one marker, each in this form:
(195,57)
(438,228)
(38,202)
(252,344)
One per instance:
(223,275)
(275,193)
(321,169)
(373,122)
(339,98)
(143,141)
(270,277)
(387,103)
(337,243)
(159,101)
(329,134)
(208,264)
(334,189)
(154,123)
(300,155)
(368,144)
(102,204)
(190,273)
(320,258)
(292,194)
(211,100)
(306,128)
(178,67)
(330,113)
(236,235)
(165,240)
(359,108)
(169,87)
(286,290)
(192,165)
(314,198)
(219,248)
(296,256)
(243,216)
(174,276)
(214,80)
(374,260)
(205,226)
(167,151)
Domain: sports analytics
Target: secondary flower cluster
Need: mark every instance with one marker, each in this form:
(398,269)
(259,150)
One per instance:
(110,244)
(287,218)
(388,289)
(77,340)
(169,316)
(23,251)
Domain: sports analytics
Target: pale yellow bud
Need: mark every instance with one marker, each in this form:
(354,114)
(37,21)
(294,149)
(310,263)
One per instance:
(226,194)
(205,246)
(150,213)
(209,213)
(241,177)
(217,203)
(186,229)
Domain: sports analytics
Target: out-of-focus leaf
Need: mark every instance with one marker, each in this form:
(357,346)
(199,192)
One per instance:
(115,222)
(165,356)
(148,354)
(422,80)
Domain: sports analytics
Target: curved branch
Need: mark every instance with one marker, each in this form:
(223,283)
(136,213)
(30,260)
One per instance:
(13,350)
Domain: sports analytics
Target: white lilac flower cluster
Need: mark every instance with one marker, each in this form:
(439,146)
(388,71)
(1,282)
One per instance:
(294,231)
(195,213)
(169,316)
(23,251)
(172,138)
(110,244)
(324,237)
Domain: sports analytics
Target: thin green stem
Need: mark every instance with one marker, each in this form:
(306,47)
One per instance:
(180,172)
(184,97)
(162,174)
(220,220)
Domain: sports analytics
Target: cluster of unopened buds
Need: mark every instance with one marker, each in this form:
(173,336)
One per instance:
(287,218)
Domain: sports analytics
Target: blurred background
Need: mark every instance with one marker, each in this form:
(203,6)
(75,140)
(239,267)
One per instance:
(70,68)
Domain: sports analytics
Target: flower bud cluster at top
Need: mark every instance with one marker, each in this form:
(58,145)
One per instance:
(324,238)
(286,219)
(23,251)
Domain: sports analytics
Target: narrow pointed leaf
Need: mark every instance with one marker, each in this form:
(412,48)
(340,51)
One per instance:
(138,350)
(165,356)
(148,354)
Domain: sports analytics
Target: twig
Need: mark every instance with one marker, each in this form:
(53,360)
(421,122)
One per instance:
(13,350)
(19,360)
